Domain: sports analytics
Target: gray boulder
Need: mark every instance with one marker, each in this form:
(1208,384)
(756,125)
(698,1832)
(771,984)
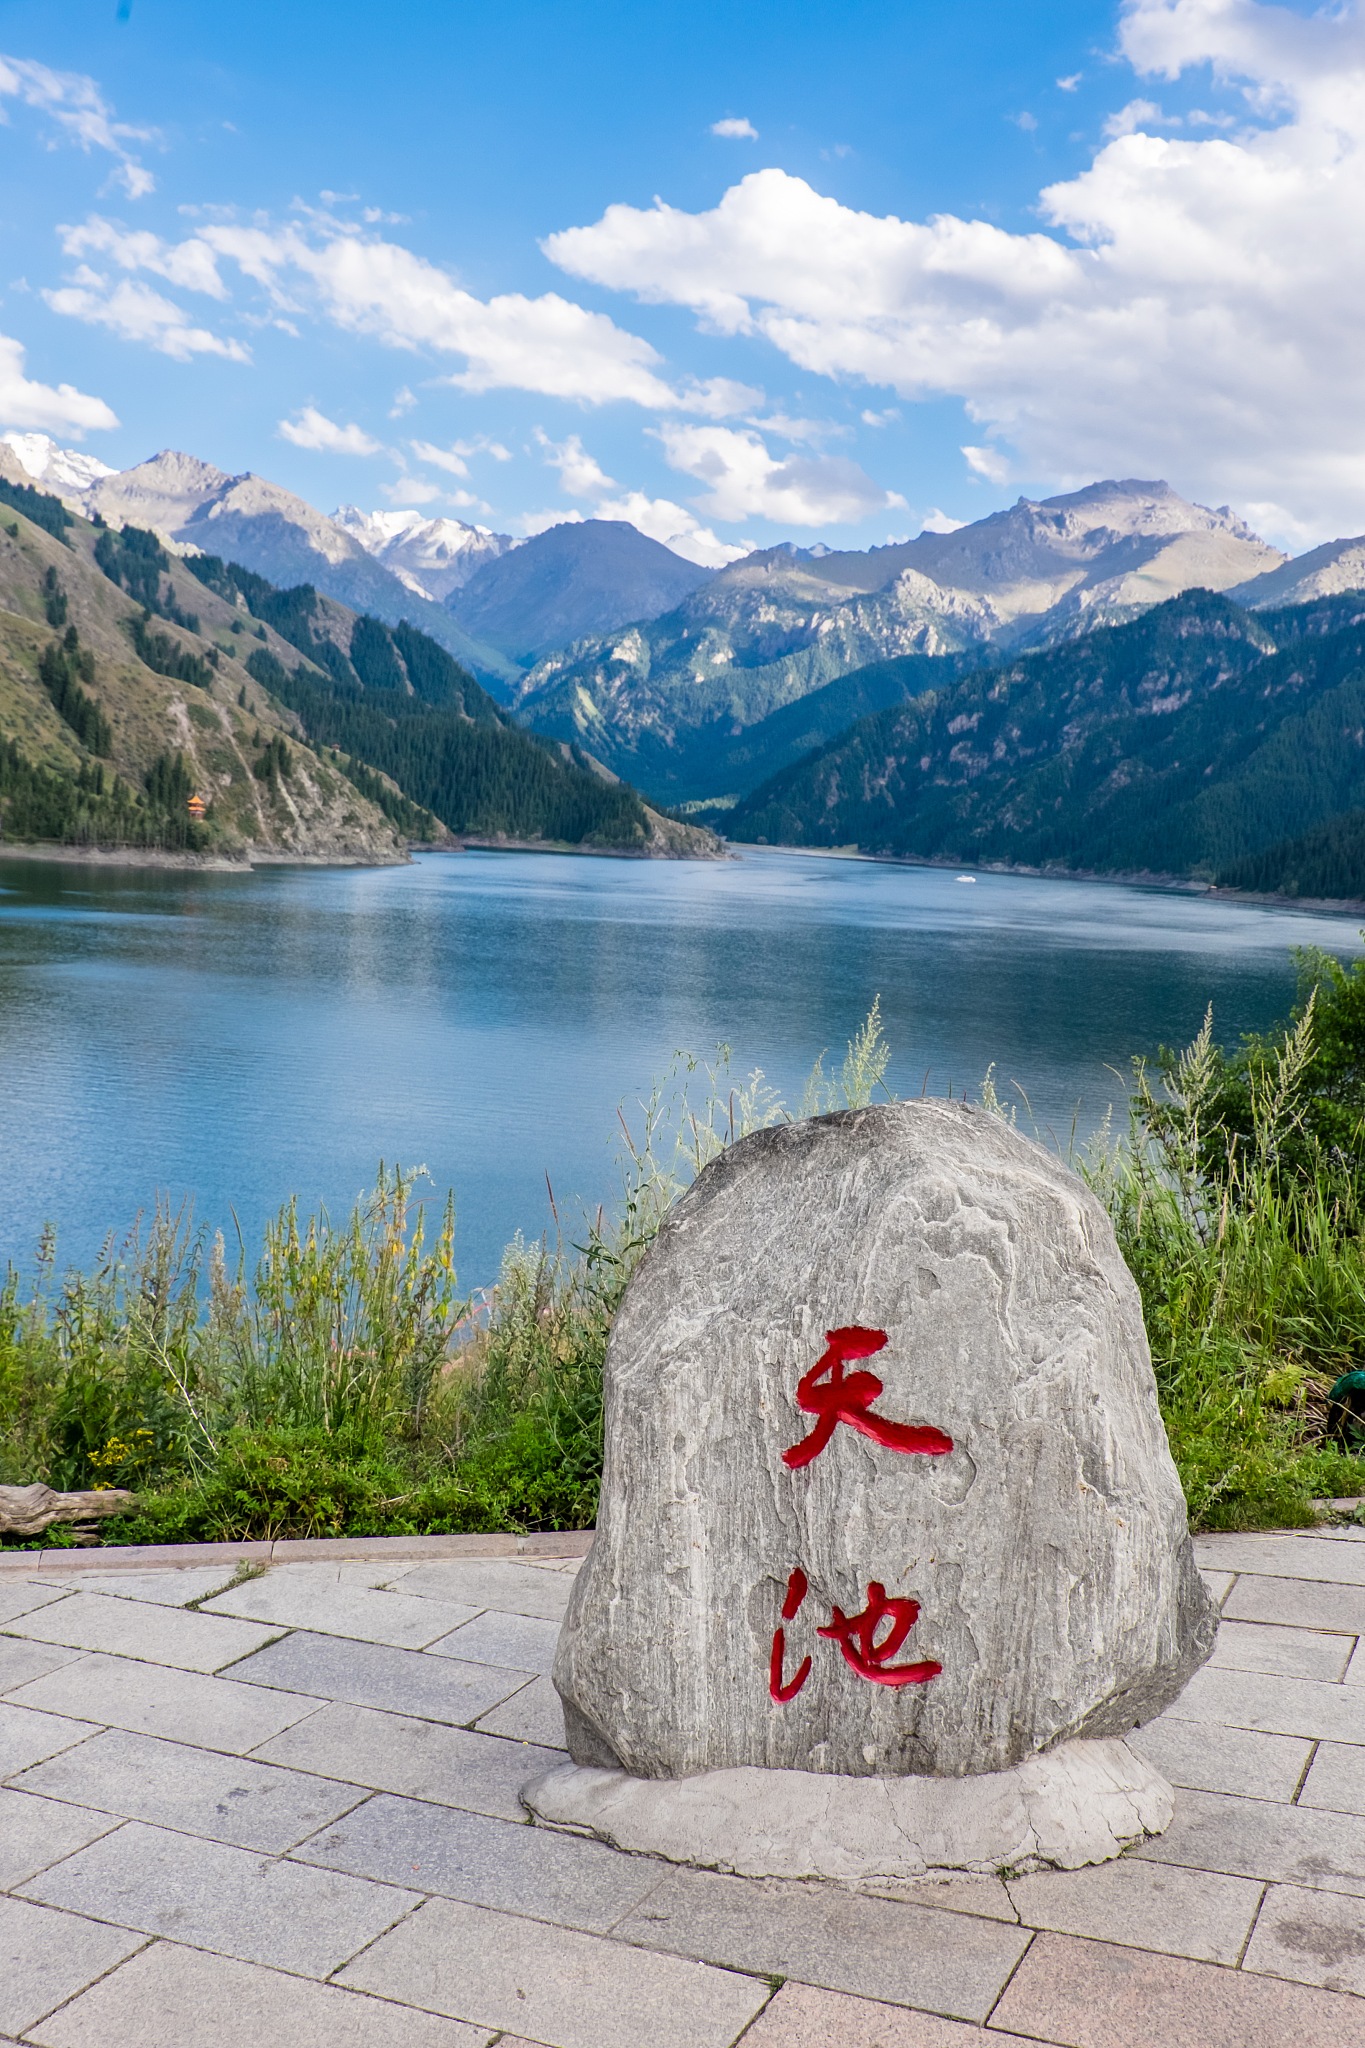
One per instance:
(886,1488)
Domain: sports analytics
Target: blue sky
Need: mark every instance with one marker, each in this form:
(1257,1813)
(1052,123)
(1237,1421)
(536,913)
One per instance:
(412,255)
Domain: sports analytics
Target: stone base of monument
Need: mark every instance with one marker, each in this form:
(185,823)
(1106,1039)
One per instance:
(1082,1802)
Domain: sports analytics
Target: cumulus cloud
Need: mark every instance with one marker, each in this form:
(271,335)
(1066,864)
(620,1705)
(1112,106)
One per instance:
(1191,305)
(55,409)
(735,129)
(745,481)
(366,285)
(582,476)
(312,429)
(134,312)
(370,286)
(79,112)
(988,463)
(191,264)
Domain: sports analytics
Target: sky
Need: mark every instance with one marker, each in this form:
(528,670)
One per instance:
(738,273)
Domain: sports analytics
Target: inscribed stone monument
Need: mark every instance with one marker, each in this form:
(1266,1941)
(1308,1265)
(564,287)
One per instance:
(887,1498)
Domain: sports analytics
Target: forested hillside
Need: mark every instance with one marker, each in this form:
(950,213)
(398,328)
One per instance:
(128,717)
(1189,742)
(190,707)
(390,697)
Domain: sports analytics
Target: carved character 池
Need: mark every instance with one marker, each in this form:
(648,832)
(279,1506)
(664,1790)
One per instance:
(834,1396)
(857,1637)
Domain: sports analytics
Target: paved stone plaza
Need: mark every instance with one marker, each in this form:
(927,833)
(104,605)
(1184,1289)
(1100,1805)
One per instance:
(241,1811)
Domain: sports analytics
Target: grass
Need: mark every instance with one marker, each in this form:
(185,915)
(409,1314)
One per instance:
(344,1385)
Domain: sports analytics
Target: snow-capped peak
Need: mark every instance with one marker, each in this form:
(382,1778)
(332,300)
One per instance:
(46,459)
(434,556)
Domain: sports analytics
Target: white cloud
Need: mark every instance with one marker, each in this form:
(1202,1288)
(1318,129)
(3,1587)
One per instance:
(312,429)
(78,109)
(191,264)
(1191,305)
(1070,83)
(989,463)
(735,129)
(403,401)
(57,409)
(582,476)
(744,481)
(413,490)
(935,521)
(449,459)
(368,286)
(135,312)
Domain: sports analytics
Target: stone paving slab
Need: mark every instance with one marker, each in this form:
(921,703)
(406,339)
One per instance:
(1090,1994)
(374,1675)
(174,1586)
(1313,1937)
(46,1957)
(1253,1838)
(233,1901)
(1144,1905)
(173,1997)
(1289,1652)
(1277,1706)
(508,1866)
(331,1609)
(511,1588)
(534,1714)
(154,1634)
(1205,1758)
(21,1662)
(23,1597)
(1297,1603)
(566,1989)
(1336,1779)
(1286,1557)
(36,1832)
(185,1706)
(419,1759)
(801,2017)
(334,1757)
(905,1954)
(521,1641)
(27,1737)
(222,1798)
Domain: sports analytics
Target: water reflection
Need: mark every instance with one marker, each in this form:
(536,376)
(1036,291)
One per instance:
(239,1037)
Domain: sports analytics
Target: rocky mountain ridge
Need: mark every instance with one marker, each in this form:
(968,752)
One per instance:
(195,506)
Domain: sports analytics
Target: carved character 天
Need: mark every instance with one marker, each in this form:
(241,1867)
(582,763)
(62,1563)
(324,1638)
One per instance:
(834,1396)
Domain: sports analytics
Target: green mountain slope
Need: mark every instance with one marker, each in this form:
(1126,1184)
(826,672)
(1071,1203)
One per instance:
(1179,744)
(116,711)
(132,681)
(390,697)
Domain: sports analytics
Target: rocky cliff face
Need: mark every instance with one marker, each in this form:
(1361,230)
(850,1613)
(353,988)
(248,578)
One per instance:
(779,625)
(223,726)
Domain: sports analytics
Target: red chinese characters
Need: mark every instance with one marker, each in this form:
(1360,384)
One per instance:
(797,1586)
(834,1396)
(857,1637)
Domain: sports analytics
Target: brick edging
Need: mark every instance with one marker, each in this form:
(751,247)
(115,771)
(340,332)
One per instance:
(292,1550)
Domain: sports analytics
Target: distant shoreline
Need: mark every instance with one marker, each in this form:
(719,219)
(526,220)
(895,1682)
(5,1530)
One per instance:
(163,858)
(1167,885)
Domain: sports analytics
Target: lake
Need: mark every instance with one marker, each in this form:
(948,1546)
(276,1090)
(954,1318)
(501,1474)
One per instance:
(237,1038)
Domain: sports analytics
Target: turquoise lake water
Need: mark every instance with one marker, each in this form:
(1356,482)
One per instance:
(236,1038)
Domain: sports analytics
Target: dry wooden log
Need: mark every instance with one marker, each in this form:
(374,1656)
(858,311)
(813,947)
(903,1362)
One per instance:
(28,1510)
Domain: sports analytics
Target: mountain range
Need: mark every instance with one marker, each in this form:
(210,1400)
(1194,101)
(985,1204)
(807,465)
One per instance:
(666,702)
(766,695)
(185,704)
